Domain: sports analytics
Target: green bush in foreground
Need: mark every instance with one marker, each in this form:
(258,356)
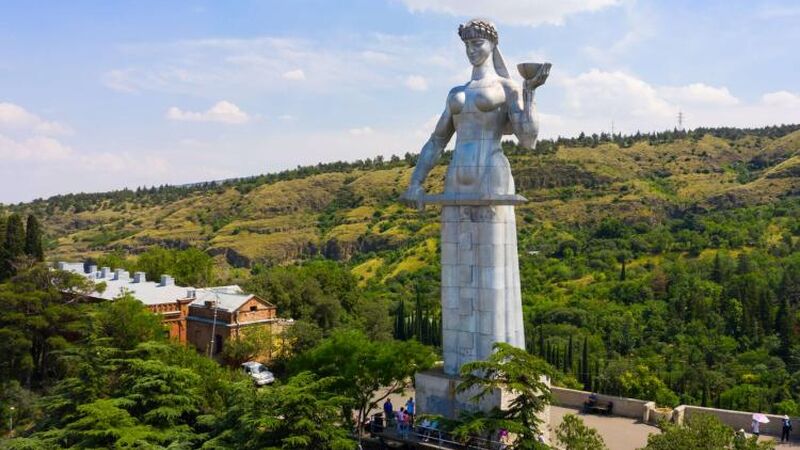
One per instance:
(703,432)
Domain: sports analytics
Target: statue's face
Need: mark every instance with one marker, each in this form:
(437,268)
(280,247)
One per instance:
(478,50)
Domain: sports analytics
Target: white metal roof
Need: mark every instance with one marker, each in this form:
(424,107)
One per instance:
(226,300)
(229,298)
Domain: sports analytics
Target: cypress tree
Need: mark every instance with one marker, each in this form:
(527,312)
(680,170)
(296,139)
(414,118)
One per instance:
(716,271)
(541,342)
(585,363)
(417,313)
(424,328)
(784,326)
(569,363)
(596,378)
(2,231)
(33,239)
(400,325)
(13,245)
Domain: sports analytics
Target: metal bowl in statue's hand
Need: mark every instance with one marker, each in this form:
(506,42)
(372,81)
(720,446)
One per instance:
(529,70)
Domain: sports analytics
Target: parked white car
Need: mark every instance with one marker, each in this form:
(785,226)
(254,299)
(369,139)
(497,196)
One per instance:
(259,372)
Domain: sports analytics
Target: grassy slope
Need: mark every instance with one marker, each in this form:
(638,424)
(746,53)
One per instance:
(289,220)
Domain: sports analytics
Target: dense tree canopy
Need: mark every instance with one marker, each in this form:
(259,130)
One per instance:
(367,371)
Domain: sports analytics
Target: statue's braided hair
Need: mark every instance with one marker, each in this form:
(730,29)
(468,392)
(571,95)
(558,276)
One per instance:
(478,28)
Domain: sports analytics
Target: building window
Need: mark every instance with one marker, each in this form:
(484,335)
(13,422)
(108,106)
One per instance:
(217,344)
(254,308)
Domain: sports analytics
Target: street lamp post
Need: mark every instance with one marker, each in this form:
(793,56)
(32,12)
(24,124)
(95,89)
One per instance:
(11,420)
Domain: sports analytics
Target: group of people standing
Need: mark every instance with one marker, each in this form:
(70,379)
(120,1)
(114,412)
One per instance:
(786,427)
(403,419)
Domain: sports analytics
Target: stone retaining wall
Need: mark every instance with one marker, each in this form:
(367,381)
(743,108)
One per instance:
(625,407)
(736,419)
(647,412)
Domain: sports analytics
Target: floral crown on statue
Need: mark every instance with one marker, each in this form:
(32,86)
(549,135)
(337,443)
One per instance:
(478,29)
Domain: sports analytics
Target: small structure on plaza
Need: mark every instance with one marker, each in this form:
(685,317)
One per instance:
(205,318)
(480,287)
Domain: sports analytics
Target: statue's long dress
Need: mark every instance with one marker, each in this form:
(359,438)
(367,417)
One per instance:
(481,300)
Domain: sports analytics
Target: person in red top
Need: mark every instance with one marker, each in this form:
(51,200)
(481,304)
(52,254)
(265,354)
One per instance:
(399,420)
(406,418)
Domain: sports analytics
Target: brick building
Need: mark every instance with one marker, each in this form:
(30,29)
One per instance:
(192,316)
(226,313)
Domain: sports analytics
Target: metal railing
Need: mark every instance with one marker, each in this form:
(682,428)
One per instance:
(430,437)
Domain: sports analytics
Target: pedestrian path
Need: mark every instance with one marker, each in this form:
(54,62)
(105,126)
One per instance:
(619,433)
(622,433)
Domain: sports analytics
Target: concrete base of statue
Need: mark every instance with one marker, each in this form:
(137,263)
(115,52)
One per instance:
(436,394)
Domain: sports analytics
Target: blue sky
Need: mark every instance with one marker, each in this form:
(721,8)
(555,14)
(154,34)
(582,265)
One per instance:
(98,95)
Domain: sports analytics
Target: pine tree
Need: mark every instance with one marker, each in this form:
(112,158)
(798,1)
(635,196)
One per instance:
(33,239)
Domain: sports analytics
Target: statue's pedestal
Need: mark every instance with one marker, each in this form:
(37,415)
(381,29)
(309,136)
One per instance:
(436,394)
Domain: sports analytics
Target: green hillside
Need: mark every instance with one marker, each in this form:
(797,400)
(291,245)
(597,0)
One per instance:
(343,211)
(659,266)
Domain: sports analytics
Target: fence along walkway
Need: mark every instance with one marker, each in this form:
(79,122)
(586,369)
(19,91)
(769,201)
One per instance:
(429,438)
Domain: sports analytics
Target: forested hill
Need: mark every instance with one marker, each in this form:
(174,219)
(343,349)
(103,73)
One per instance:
(661,266)
(341,210)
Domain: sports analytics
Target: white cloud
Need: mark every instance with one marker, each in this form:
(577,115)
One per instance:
(590,101)
(513,12)
(28,138)
(222,112)
(613,94)
(37,148)
(781,99)
(416,83)
(360,131)
(233,68)
(294,75)
(16,117)
(699,93)
(147,165)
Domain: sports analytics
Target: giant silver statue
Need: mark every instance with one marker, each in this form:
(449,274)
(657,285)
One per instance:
(481,301)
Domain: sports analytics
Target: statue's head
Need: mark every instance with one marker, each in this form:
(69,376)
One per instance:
(480,39)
